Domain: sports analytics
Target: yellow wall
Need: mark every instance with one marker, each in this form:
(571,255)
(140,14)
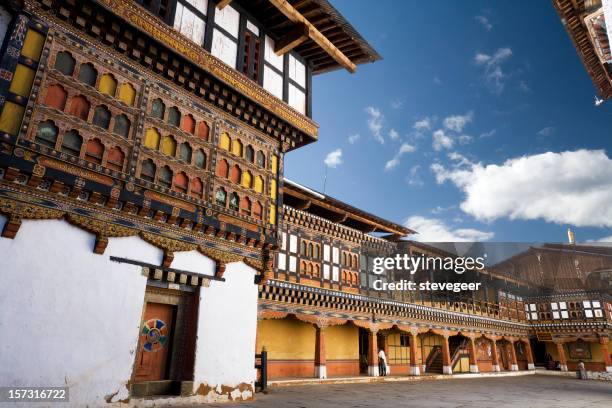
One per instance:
(286,339)
(342,342)
(596,354)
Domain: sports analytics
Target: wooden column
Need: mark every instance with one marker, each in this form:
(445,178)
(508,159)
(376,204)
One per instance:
(495,356)
(372,354)
(530,362)
(414,364)
(473,361)
(603,341)
(513,362)
(320,360)
(446,361)
(562,359)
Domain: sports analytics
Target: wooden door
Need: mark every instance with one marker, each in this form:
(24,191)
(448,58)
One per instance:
(155,341)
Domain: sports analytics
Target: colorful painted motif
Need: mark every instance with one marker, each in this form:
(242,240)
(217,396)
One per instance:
(154,335)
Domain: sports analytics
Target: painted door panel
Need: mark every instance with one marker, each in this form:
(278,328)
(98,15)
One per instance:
(155,341)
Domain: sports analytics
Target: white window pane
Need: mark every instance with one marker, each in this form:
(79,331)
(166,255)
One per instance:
(532,307)
(282,261)
(200,5)
(588,313)
(326,253)
(564,314)
(336,255)
(526,308)
(534,316)
(273,82)
(596,303)
(228,19)
(189,24)
(555,315)
(297,99)
(336,273)
(562,305)
(284,241)
(275,60)
(586,304)
(252,28)
(293,243)
(297,71)
(292,264)
(224,48)
(598,313)
(325,271)
(554,306)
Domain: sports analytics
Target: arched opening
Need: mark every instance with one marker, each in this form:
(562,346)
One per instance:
(181,182)
(108,84)
(188,124)
(165,177)
(122,125)
(64,63)
(46,134)
(56,97)
(152,138)
(147,170)
(94,151)
(222,168)
(221,197)
(127,94)
(88,74)
(101,117)
(235,174)
(169,145)
(197,187)
(115,159)
(71,143)
(79,107)
(203,130)
(158,109)
(200,159)
(174,116)
(234,201)
(185,153)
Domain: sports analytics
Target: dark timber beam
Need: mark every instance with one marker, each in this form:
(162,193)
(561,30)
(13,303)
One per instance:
(297,35)
(223,3)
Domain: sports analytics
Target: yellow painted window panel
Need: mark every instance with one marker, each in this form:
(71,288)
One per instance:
(247,179)
(274,164)
(152,139)
(127,94)
(236,147)
(272,214)
(33,45)
(258,184)
(224,141)
(22,80)
(169,146)
(273,189)
(10,119)
(108,85)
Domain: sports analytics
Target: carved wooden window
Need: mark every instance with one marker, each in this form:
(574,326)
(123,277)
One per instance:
(247,179)
(224,141)
(222,168)
(257,210)
(147,170)
(225,35)
(174,116)
(234,202)
(56,97)
(188,124)
(185,152)
(79,107)
(152,138)
(237,147)
(221,197)
(250,61)
(259,184)
(158,109)
(250,153)
(88,74)
(235,174)
(169,146)
(273,189)
(108,85)
(304,248)
(181,182)
(200,159)
(64,63)
(203,130)
(115,159)
(245,206)
(190,19)
(47,134)
(102,117)
(197,187)
(127,94)
(122,125)
(261,159)
(94,151)
(165,176)
(72,143)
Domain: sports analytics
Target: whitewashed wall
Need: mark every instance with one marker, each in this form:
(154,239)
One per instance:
(69,316)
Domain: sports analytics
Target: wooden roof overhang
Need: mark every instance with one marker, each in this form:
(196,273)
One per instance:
(321,205)
(332,43)
(572,13)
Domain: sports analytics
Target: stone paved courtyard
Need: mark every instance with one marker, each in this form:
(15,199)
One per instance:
(524,391)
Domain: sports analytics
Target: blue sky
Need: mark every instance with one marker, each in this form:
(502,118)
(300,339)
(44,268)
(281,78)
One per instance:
(465,87)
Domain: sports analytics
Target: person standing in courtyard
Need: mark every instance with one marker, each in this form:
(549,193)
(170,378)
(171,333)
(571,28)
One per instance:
(582,374)
(382,362)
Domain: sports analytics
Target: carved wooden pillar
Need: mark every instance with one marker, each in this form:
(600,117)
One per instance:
(513,362)
(495,356)
(414,364)
(530,362)
(372,354)
(446,361)
(320,360)
(473,360)
(603,341)
(561,352)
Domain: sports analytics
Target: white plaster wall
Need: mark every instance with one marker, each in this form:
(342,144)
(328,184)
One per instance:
(69,316)
(227,324)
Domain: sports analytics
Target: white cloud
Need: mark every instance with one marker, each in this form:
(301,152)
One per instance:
(441,140)
(457,122)
(547,131)
(404,148)
(375,123)
(464,139)
(436,230)
(396,104)
(488,134)
(354,138)
(572,187)
(484,22)
(422,124)
(393,134)
(334,158)
(493,73)
(413,177)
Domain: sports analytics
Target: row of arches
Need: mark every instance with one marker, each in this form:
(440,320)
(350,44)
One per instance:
(236,147)
(169,146)
(177,181)
(237,176)
(350,278)
(87,74)
(79,106)
(174,117)
(310,269)
(310,249)
(242,205)
(71,143)
(350,260)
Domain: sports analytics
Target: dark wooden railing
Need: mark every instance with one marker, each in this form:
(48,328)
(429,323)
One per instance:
(262,369)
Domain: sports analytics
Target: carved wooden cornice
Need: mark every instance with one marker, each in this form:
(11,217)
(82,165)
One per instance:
(263,314)
(16,211)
